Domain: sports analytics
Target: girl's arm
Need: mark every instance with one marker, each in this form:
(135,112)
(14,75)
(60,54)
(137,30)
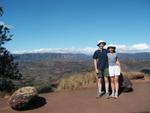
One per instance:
(118,63)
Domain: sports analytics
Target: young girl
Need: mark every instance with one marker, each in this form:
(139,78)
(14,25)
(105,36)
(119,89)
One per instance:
(114,70)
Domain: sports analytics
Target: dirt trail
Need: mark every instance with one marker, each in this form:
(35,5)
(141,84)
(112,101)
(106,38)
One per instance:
(84,101)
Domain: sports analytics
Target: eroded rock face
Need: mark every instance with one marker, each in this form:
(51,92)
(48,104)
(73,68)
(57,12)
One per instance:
(20,99)
(125,84)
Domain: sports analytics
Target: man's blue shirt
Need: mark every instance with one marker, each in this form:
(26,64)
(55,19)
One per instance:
(101,56)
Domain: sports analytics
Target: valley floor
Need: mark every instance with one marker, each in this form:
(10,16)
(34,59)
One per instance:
(84,101)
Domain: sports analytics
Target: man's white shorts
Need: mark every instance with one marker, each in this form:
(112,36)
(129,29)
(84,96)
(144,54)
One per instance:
(114,70)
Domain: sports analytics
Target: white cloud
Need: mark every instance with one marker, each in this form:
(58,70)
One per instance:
(87,50)
(141,47)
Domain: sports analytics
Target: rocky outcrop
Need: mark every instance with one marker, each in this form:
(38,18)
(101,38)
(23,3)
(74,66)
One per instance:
(125,84)
(21,98)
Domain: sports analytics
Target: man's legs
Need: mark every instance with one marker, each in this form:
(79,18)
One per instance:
(106,79)
(106,85)
(103,74)
(99,85)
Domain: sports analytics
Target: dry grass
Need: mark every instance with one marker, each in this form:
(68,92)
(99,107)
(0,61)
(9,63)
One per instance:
(77,81)
(147,77)
(83,80)
(134,75)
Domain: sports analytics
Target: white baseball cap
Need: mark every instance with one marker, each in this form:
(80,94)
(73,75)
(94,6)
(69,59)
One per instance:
(101,41)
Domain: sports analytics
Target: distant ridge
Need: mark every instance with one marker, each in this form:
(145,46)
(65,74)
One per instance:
(45,67)
(77,56)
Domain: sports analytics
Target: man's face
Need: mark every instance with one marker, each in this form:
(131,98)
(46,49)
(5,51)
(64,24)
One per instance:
(101,45)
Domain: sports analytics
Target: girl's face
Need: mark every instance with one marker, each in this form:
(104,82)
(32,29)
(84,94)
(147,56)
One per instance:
(111,50)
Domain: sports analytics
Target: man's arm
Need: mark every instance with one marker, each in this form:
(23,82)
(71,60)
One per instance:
(95,66)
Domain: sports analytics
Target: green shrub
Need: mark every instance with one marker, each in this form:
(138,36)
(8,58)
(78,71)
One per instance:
(41,87)
(6,85)
(44,88)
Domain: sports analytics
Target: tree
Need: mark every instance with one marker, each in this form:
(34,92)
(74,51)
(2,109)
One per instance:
(1,11)
(8,68)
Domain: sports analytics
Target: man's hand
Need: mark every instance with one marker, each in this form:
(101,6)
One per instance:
(96,70)
(95,66)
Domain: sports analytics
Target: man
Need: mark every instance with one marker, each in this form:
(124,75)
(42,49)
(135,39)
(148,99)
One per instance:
(101,68)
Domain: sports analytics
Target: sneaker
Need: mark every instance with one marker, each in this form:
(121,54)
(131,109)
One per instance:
(112,95)
(107,95)
(100,94)
(116,95)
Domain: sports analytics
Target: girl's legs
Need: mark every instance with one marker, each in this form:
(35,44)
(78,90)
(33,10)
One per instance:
(116,86)
(112,86)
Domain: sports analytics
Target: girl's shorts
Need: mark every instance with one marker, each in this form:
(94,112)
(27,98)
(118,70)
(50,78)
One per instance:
(114,70)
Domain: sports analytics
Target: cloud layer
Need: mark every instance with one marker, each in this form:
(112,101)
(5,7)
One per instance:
(141,47)
(136,48)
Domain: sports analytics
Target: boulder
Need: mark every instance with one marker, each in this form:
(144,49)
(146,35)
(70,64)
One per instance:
(125,84)
(21,98)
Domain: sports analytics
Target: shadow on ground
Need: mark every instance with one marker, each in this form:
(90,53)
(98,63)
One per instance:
(35,103)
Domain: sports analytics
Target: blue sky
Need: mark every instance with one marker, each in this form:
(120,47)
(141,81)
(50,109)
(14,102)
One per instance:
(76,23)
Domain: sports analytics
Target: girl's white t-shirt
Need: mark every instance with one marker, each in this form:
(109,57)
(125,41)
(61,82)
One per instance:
(112,58)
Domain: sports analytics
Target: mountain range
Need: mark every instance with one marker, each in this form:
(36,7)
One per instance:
(48,67)
(76,56)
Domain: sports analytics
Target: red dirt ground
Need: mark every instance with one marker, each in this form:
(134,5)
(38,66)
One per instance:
(84,101)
